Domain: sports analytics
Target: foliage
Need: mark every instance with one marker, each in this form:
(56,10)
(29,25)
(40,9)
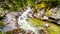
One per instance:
(14,5)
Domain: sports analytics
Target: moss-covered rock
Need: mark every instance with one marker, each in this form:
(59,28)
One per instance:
(51,29)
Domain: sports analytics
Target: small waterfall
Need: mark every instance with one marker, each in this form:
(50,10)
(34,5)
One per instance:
(25,24)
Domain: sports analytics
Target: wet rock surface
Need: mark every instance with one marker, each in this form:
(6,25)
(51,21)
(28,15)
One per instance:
(10,21)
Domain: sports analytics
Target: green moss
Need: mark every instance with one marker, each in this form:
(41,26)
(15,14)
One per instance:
(52,29)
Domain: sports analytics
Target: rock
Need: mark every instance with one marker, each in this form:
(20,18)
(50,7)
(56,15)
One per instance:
(39,13)
(43,31)
(10,21)
(29,32)
(45,18)
(55,13)
(46,25)
(30,14)
(26,32)
(16,31)
(58,22)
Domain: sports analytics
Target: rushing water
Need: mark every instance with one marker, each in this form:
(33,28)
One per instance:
(24,24)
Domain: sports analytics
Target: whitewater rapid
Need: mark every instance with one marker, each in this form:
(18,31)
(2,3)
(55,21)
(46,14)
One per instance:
(24,24)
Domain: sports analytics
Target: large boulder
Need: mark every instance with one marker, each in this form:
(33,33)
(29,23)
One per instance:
(55,13)
(10,21)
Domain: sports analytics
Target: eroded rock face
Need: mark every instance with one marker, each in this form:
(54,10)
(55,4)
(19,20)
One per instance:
(55,13)
(10,21)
